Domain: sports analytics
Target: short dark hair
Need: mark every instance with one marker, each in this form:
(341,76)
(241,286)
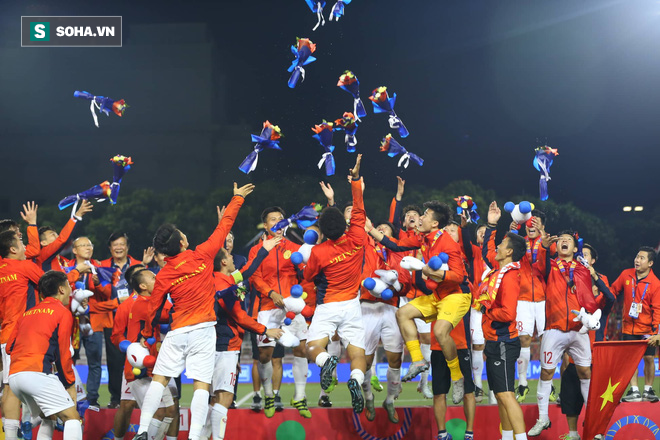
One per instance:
(441,212)
(137,278)
(7,224)
(395,230)
(131,271)
(167,240)
(517,244)
(7,240)
(571,233)
(650,251)
(479,227)
(409,208)
(44,229)
(50,283)
(349,204)
(594,254)
(540,214)
(332,223)
(267,211)
(221,255)
(116,236)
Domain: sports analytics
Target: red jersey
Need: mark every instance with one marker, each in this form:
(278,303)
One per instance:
(231,318)
(499,321)
(120,326)
(33,248)
(41,338)
(432,244)
(188,278)
(335,266)
(275,273)
(645,291)
(18,292)
(560,299)
(531,279)
(47,258)
(459,334)
(137,318)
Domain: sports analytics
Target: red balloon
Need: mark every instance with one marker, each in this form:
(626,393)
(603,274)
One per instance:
(290,315)
(149,361)
(307,312)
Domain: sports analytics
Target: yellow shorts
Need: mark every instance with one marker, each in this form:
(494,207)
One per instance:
(451,308)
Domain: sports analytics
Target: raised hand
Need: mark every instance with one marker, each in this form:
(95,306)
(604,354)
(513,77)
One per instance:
(355,171)
(328,192)
(243,190)
(399,188)
(148,255)
(29,213)
(494,213)
(221,211)
(85,207)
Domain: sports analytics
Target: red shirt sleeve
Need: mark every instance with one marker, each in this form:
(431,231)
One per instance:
(54,247)
(358,215)
(120,324)
(617,286)
(242,318)
(33,247)
(64,342)
(155,301)
(216,241)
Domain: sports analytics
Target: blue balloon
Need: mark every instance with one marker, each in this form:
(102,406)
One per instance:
(525,207)
(151,341)
(123,345)
(296,258)
(311,236)
(369,283)
(80,285)
(509,207)
(164,328)
(296,291)
(287,321)
(386,294)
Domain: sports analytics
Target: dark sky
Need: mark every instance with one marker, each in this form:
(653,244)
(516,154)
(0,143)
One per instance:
(479,83)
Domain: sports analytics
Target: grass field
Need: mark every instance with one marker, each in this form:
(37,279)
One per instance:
(340,397)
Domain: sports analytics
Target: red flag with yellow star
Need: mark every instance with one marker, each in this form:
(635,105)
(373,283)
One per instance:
(614,363)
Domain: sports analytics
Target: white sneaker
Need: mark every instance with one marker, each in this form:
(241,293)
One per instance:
(492,400)
(538,428)
(569,437)
(424,389)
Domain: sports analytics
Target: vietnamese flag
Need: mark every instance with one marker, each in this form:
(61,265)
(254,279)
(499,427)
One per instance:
(613,365)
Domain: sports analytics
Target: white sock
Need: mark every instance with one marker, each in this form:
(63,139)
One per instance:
(36,421)
(219,421)
(72,430)
(116,438)
(165,425)
(584,387)
(266,375)
(523,436)
(426,351)
(366,388)
(207,432)
(321,358)
(648,387)
(543,396)
(523,365)
(154,426)
(171,437)
(478,367)
(423,379)
(635,389)
(46,430)
(150,404)
(299,377)
(358,375)
(393,384)
(334,348)
(573,434)
(25,413)
(198,411)
(11,429)
(507,435)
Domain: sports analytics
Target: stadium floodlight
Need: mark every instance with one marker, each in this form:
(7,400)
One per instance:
(639,208)
(627,208)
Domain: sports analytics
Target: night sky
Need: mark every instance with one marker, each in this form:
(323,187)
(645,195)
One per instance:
(480,84)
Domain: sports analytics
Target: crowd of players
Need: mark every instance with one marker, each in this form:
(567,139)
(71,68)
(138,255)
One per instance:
(191,308)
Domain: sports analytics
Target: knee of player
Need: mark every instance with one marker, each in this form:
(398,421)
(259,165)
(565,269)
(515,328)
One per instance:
(584,372)
(70,413)
(172,412)
(159,414)
(547,374)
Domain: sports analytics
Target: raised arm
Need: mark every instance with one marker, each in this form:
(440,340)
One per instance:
(65,364)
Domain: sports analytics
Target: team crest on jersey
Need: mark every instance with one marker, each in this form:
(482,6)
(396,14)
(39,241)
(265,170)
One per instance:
(627,282)
(287,254)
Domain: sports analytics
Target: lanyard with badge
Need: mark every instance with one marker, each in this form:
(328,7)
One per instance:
(571,269)
(435,238)
(636,307)
(532,253)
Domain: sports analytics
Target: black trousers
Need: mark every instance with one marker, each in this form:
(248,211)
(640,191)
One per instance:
(115,359)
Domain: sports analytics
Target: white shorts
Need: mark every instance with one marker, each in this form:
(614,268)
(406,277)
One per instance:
(527,314)
(224,373)
(193,350)
(344,317)
(380,325)
(476,330)
(137,389)
(6,363)
(556,342)
(275,319)
(41,392)
(422,327)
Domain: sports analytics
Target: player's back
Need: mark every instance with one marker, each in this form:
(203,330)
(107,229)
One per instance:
(18,280)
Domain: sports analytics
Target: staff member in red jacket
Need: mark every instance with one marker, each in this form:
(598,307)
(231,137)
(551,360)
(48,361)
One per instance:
(641,316)
(501,333)
(41,338)
(188,278)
